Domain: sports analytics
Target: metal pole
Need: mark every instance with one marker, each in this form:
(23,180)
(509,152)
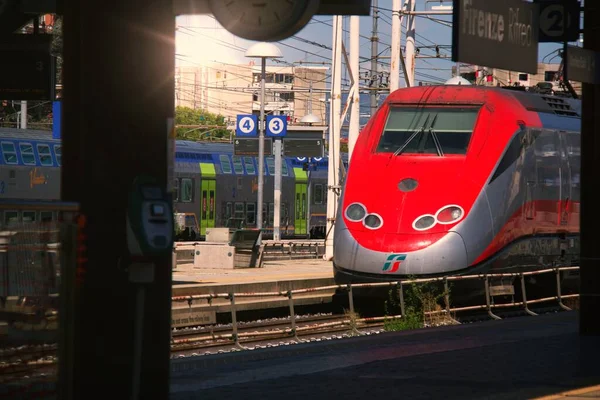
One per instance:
(261,150)
(333,173)
(396,40)
(277,195)
(354,70)
(23,114)
(374,50)
(410,43)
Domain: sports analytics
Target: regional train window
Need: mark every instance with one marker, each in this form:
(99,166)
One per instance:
(187,190)
(318,197)
(46,216)
(250,214)
(237,165)
(239,210)
(225,164)
(428,130)
(271,214)
(11,217)
(9,153)
(271,165)
(176,190)
(284,169)
(58,153)
(249,165)
(45,156)
(27,154)
(28,216)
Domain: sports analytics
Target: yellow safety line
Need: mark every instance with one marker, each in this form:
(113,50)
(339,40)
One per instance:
(574,392)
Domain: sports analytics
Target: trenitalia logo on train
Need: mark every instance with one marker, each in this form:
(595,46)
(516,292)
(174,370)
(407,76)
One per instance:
(393,261)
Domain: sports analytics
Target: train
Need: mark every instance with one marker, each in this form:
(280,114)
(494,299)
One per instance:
(212,186)
(459,180)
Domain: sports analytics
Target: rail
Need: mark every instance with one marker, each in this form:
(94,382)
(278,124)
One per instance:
(489,306)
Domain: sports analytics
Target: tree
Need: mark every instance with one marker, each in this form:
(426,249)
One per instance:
(202,124)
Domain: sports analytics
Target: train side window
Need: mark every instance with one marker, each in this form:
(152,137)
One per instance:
(250,213)
(28,216)
(270,166)
(249,163)
(237,165)
(45,156)
(512,154)
(239,210)
(225,164)
(228,210)
(187,190)
(46,216)
(271,214)
(318,198)
(58,153)
(175,190)
(284,168)
(9,153)
(27,154)
(11,217)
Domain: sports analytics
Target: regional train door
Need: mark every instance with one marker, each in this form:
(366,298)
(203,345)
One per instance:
(300,209)
(207,215)
(207,197)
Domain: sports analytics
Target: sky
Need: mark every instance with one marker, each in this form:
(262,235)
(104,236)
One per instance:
(202,39)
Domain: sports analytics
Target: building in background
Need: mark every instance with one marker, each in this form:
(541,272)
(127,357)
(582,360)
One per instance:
(229,89)
(549,73)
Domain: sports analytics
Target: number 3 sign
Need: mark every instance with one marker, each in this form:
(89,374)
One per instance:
(276,126)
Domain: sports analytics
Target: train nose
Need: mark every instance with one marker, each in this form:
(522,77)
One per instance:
(445,256)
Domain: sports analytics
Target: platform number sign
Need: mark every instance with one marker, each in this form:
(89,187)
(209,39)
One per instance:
(276,125)
(552,20)
(246,125)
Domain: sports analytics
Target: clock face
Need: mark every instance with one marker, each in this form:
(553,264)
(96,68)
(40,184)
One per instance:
(263,20)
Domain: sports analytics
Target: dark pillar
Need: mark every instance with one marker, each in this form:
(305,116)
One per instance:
(119,61)
(589,322)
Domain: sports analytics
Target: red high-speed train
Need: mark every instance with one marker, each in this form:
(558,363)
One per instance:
(448,180)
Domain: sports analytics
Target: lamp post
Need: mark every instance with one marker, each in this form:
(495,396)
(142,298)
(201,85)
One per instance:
(263,50)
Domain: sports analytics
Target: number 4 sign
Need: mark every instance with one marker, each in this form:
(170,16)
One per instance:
(246,125)
(276,126)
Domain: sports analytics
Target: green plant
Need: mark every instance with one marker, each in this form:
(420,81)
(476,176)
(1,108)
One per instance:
(419,300)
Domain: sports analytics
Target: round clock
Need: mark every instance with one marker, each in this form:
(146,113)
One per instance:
(263,20)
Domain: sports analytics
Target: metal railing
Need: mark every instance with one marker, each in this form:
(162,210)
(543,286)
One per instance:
(399,285)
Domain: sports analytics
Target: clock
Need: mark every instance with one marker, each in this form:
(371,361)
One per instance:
(263,20)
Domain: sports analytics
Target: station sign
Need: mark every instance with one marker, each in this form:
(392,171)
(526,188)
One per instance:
(303,147)
(582,65)
(552,20)
(246,125)
(498,34)
(27,67)
(276,126)
(249,146)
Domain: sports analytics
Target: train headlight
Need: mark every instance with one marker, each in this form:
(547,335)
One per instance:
(424,222)
(356,212)
(373,221)
(449,214)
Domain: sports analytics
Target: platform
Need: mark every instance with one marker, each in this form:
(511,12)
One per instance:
(275,276)
(517,358)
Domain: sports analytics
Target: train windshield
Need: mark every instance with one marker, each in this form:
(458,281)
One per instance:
(428,130)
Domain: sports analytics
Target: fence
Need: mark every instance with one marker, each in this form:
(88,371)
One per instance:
(292,331)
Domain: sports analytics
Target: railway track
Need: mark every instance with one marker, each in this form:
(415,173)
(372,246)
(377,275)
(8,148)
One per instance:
(40,361)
